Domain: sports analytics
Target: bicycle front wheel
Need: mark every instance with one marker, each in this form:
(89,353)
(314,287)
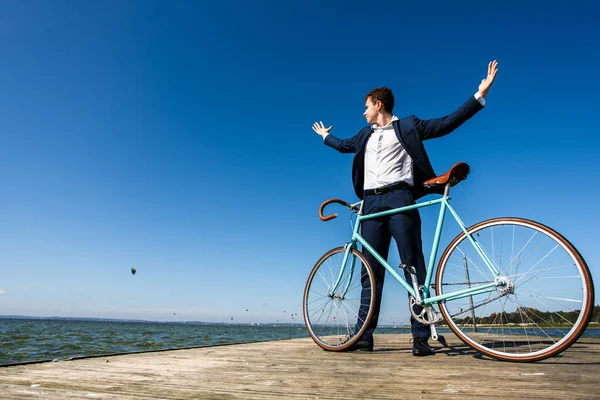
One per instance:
(542,304)
(338,299)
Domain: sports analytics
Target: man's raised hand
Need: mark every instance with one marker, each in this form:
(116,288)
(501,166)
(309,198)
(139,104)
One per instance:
(486,83)
(320,129)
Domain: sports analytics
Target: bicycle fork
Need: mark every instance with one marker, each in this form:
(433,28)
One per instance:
(347,254)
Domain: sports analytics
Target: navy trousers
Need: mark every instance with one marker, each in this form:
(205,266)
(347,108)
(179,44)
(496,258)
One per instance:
(405,228)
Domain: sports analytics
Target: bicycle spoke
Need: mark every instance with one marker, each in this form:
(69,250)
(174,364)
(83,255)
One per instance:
(520,251)
(536,264)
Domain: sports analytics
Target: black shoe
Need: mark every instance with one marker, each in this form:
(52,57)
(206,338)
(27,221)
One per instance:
(362,345)
(421,347)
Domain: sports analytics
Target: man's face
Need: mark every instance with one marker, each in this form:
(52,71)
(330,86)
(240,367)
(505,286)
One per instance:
(371,110)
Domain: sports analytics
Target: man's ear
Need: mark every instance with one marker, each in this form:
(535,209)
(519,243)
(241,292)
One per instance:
(379,105)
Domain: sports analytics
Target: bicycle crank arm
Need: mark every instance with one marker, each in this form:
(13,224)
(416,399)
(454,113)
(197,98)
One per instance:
(440,338)
(434,334)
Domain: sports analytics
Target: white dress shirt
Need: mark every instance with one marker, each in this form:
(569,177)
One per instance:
(386,161)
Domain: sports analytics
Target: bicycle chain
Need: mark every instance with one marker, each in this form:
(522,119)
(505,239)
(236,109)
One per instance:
(457,284)
(471,283)
(479,305)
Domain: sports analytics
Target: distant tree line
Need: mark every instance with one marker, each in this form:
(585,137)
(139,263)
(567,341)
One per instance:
(529,315)
(596,314)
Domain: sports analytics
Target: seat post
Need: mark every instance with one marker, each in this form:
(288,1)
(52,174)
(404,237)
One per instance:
(447,189)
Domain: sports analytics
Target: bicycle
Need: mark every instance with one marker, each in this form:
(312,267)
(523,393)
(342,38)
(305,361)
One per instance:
(524,299)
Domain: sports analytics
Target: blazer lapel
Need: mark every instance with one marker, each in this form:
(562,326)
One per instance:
(364,141)
(396,125)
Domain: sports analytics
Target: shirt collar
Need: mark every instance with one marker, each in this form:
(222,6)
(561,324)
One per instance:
(394,118)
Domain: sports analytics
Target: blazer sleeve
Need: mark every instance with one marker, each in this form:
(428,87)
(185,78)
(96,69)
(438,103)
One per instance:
(342,145)
(433,128)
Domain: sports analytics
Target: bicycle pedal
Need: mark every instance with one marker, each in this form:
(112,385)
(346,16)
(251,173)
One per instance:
(442,341)
(410,269)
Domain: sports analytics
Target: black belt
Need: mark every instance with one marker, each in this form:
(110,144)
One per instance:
(385,189)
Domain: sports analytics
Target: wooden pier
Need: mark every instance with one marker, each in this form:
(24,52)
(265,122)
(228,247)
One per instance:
(299,369)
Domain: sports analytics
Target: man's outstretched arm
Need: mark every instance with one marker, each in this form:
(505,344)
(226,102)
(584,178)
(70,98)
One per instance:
(429,129)
(343,146)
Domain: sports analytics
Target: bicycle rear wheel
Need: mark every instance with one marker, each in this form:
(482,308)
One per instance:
(541,311)
(337,319)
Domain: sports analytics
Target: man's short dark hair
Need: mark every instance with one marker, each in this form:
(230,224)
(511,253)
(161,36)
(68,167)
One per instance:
(384,95)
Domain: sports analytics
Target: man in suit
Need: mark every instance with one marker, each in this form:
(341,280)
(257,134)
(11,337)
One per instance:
(388,171)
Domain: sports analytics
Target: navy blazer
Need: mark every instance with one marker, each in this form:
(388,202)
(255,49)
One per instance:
(411,131)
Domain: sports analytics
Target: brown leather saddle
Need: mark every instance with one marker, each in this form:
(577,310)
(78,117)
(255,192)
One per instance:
(458,172)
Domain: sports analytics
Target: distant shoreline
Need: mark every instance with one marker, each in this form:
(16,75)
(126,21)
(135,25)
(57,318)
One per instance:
(145,321)
(148,321)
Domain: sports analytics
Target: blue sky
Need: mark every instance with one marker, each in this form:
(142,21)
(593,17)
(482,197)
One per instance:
(175,137)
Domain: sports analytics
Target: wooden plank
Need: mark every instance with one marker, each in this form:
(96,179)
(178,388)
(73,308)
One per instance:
(299,369)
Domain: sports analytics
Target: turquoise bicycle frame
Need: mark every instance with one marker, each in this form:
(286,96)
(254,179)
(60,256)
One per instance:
(426,300)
